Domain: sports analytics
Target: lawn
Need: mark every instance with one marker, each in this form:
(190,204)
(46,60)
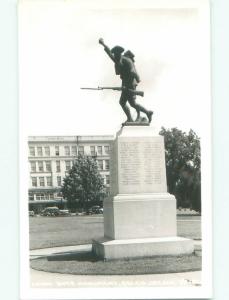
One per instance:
(75,230)
(85,264)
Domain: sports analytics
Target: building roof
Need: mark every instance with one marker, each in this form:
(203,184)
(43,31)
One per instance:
(77,138)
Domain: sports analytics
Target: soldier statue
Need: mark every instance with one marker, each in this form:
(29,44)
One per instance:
(124,66)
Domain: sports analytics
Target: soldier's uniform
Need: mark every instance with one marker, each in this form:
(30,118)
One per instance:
(124,66)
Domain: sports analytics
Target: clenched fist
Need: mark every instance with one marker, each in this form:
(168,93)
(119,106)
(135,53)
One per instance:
(101,41)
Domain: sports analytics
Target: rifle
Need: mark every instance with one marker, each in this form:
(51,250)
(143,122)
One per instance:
(99,88)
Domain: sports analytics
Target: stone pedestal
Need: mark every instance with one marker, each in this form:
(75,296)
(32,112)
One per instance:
(139,216)
(137,248)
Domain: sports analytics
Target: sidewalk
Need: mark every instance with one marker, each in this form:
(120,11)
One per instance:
(41,279)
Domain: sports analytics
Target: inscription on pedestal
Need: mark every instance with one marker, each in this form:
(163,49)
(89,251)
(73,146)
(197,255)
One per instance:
(152,163)
(141,165)
(130,163)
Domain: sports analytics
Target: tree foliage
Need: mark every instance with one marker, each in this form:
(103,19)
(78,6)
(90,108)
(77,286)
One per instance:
(182,154)
(83,186)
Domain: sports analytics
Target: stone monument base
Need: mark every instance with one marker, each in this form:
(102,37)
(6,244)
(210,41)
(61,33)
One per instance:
(136,248)
(140,216)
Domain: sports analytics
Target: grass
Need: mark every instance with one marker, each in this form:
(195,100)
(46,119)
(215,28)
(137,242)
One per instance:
(64,231)
(189,227)
(86,264)
(48,232)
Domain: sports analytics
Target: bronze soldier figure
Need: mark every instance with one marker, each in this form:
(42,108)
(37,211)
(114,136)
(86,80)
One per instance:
(124,66)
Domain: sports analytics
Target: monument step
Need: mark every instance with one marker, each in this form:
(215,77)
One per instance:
(135,248)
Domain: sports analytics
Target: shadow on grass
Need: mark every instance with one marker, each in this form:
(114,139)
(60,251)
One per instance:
(73,256)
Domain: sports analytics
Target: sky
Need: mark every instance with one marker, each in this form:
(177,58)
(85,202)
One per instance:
(59,53)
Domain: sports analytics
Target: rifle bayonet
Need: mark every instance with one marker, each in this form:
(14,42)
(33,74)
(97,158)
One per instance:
(99,88)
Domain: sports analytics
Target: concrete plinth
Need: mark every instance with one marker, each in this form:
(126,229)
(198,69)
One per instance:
(136,248)
(134,216)
(140,216)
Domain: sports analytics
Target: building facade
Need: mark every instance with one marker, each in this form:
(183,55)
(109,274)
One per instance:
(50,159)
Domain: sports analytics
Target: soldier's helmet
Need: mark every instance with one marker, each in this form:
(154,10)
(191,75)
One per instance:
(117,50)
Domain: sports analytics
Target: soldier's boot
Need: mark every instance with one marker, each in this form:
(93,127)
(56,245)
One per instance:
(138,118)
(128,114)
(149,115)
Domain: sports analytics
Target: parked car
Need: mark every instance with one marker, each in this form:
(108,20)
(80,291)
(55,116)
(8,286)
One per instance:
(51,211)
(96,209)
(31,213)
(100,211)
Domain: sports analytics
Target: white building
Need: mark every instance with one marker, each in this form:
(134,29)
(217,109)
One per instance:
(51,157)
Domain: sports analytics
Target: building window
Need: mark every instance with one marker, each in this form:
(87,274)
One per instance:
(59,180)
(107,149)
(99,150)
(81,150)
(57,150)
(31,196)
(42,181)
(107,179)
(92,148)
(48,166)
(40,166)
(39,151)
(100,164)
(47,151)
(57,166)
(74,151)
(40,196)
(67,150)
(32,151)
(33,166)
(49,181)
(107,164)
(34,181)
(67,165)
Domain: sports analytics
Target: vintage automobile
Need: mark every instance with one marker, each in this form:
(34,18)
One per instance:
(31,213)
(50,211)
(96,209)
(55,211)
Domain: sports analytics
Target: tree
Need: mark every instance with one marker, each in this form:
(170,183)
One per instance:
(83,186)
(182,154)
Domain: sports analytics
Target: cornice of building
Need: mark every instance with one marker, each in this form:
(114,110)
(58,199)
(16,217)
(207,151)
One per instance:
(70,139)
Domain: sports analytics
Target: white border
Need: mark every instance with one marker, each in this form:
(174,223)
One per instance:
(205,291)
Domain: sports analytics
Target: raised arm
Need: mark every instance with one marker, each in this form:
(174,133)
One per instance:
(106,49)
